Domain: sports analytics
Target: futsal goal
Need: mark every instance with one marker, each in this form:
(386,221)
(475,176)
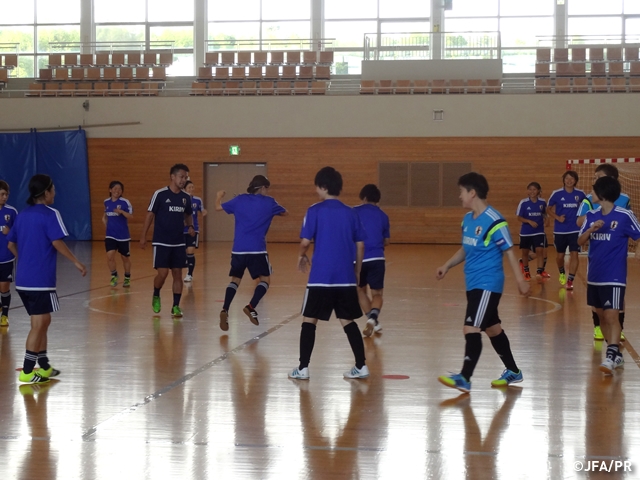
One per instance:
(629,169)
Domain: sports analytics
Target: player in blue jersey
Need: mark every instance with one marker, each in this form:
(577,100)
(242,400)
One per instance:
(253,212)
(563,208)
(117,212)
(7,218)
(338,237)
(485,238)
(604,170)
(192,241)
(170,209)
(376,224)
(35,239)
(608,230)
(531,212)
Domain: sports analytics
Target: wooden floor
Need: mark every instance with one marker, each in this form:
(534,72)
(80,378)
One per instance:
(146,397)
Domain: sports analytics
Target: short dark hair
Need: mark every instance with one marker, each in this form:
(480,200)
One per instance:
(475,181)
(38,185)
(330,179)
(370,192)
(608,169)
(177,167)
(570,173)
(187,183)
(4,186)
(534,184)
(257,183)
(116,182)
(607,188)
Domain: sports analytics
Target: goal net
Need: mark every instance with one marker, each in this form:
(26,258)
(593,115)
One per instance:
(629,169)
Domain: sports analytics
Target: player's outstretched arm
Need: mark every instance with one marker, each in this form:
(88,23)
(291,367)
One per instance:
(219,196)
(61,247)
(523,285)
(303,260)
(145,229)
(456,259)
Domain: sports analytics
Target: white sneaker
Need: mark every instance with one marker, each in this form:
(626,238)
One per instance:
(300,374)
(373,326)
(377,328)
(607,366)
(357,373)
(619,361)
(188,278)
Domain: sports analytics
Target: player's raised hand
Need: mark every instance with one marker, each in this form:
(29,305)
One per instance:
(597,225)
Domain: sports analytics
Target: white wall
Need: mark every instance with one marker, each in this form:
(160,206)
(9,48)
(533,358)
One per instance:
(501,115)
(484,69)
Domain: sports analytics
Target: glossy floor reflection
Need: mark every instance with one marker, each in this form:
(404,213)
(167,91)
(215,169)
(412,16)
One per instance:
(144,396)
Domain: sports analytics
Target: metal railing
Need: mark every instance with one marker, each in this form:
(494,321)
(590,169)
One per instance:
(164,46)
(568,41)
(321,44)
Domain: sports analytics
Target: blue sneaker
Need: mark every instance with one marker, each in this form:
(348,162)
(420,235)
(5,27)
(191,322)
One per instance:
(456,381)
(507,378)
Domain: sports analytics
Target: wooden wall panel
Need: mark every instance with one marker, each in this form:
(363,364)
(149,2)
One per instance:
(508,163)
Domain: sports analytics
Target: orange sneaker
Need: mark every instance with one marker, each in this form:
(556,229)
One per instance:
(527,276)
(544,274)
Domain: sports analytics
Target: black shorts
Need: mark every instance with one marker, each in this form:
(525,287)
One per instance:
(192,241)
(39,302)
(169,257)
(121,246)
(320,302)
(372,274)
(482,309)
(531,242)
(257,264)
(6,272)
(605,297)
(563,240)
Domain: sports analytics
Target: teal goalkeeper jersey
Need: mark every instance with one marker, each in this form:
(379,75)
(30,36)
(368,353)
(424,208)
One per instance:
(484,239)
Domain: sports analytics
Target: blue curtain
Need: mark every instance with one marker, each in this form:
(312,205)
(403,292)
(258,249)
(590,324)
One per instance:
(61,155)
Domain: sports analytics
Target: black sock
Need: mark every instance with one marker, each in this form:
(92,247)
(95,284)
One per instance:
(307,340)
(539,271)
(127,275)
(5,300)
(43,360)
(572,276)
(472,351)
(526,269)
(613,351)
(258,293)
(232,288)
(191,263)
(374,314)
(357,345)
(561,270)
(503,349)
(156,292)
(621,319)
(30,359)
(176,298)
(114,273)
(596,319)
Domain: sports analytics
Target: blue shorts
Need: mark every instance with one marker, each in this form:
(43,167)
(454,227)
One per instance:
(372,274)
(6,272)
(482,309)
(605,297)
(563,240)
(39,302)
(531,242)
(192,241)
(121,246)
(257,264)
(169,257)
(320,302)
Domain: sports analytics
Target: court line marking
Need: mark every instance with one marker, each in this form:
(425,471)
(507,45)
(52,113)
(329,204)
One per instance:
(88,434)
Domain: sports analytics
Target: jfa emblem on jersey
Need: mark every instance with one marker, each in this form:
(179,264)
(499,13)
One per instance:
(194,206)
(7,217)
(478,230)
(540,207)
(614,224)
(577,198)
(184,201)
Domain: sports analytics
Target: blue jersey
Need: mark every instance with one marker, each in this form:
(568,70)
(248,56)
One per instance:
(334,228)
(253,214)
(34,232)
(117,225)
(484,239)
(376,224)
(535,211)
(608,245)
(587,204)
(196,206)
(567,204)
(170,210)
(7,218)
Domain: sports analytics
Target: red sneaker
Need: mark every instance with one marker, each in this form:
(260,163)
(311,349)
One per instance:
(569,285)
(544,274)
(527,276)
